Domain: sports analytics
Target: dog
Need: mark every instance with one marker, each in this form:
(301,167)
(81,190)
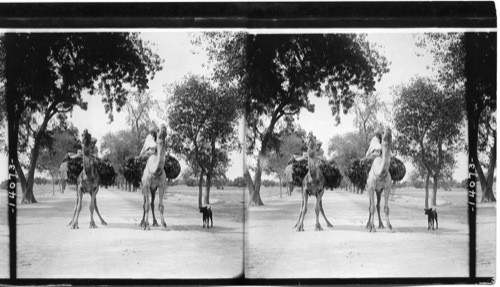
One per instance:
(431,217)
(207,214)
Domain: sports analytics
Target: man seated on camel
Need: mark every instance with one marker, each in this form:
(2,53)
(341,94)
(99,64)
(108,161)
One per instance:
(86,137)
(319,153)
(149,147)
(375,148)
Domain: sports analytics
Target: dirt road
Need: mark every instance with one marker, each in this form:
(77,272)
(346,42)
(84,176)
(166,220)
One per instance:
(47,248)
(275,250)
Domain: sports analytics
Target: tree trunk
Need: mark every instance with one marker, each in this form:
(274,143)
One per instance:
(200,186)
(427,189)
(255,198)
(434,191)
(206,196)
(28,196)
(487,189)
(254,194)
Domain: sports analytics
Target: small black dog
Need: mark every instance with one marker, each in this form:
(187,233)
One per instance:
(207,214)
(432,216)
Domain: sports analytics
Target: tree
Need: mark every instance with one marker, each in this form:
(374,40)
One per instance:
(139,107)
(481,75)
(277,73)
(467,61)
(428,121)
(117,146)
(47,73)
(290,141)
(202,119)
(366,110)
(55,146)
(344,149)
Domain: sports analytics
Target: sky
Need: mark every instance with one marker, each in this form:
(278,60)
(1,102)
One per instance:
(181,58)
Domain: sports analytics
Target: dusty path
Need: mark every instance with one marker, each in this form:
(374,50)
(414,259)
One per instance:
(47,248)
(275,250)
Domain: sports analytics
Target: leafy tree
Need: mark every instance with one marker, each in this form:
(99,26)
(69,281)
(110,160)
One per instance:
(139,106)
(290,141)
(346,148)
(47,73)
(428,121)
(202,119)
(117,147)
(366,110)
(55,147)
(277,73)
(467,61)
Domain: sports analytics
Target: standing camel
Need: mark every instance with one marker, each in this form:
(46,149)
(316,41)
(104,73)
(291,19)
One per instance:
(87,182)
(313,184)
(379,179)
(154,178)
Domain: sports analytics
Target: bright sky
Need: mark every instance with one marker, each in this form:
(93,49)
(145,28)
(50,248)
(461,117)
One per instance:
(177,52)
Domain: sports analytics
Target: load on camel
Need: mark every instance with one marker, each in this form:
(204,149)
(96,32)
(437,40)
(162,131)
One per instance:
(318,175)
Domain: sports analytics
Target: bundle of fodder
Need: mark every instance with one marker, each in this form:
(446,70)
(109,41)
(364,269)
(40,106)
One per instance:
(75,167)
(105,170)
(133,169)
(300,170)
(172,167)
(332,174)
(330,170)
(397,169)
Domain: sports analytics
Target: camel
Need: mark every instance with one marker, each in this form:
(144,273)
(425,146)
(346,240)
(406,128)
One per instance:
(313,184)
(379,180)
(154,178)
(87,182)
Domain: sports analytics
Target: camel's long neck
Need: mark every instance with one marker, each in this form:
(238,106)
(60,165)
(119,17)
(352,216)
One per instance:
(311,162)
(386,154)
(88,161)
(160,148)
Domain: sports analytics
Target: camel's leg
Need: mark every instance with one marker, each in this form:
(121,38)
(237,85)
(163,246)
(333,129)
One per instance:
(144,189)
(146,211)
(300,227)
(301,210)
(380,224)
(369,216)
(317,210)
(161,207)
(387,192)
(78,209)
(97,210)
(153,195)
(143,210)
(371,225)
(91,207)
(328,224)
